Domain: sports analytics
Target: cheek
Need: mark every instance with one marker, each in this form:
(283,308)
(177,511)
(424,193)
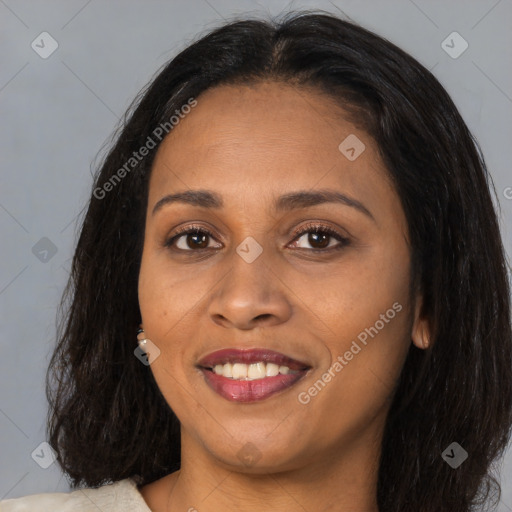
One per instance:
(365,312)
(366,356)
(170,299)
(162,307)
(351,296)
(167,293)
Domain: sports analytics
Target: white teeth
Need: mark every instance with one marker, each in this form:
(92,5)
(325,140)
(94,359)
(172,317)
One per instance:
(239,371)
(227,371)
(256,371)
(259,370)
(272,370)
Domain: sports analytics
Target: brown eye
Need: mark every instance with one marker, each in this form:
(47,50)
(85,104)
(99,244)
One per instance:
(319,238)
(196,240)
(190,239)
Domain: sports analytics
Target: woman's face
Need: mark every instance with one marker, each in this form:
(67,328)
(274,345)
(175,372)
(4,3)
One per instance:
(307,293)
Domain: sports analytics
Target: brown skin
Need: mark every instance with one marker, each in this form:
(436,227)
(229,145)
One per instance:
(250,145)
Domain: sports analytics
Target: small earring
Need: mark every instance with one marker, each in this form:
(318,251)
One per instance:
(141,337)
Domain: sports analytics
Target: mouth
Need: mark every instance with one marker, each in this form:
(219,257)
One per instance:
(250,375)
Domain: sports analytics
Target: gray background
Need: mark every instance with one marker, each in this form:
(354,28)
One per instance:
(57,113)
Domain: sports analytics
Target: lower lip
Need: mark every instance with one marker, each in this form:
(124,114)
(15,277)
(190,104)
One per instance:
(250,390)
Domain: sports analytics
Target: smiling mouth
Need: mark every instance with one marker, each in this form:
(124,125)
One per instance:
(250,375)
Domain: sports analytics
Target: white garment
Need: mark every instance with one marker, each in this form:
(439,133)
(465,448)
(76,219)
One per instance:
(121,496)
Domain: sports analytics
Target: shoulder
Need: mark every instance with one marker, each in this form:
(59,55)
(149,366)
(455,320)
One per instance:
(117,497)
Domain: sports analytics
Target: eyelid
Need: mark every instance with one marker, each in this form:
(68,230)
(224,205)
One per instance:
(318,226)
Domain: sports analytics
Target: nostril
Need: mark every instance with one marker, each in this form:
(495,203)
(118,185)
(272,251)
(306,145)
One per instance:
(263,316)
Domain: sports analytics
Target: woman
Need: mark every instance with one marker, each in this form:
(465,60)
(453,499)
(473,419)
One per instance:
(289,291)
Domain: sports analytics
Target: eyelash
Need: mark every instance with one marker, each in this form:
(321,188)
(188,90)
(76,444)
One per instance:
(314,228)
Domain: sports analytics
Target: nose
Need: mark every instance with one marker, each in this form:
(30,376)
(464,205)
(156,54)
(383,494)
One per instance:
(250,295)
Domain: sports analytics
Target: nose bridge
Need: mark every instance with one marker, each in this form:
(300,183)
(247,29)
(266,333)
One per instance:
(250,275)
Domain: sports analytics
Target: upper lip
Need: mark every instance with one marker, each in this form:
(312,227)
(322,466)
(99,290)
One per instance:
(248,356)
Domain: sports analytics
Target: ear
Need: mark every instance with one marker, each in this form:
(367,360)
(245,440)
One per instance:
(420,329)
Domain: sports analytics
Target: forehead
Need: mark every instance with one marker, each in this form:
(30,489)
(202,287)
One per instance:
(246,140)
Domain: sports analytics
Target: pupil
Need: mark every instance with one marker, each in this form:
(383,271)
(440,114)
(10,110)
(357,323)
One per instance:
(198,237)
(314,239)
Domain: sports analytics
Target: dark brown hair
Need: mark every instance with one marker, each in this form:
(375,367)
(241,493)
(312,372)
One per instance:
(108,419)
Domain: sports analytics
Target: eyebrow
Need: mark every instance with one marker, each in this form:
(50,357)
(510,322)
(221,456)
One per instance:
(290,201)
